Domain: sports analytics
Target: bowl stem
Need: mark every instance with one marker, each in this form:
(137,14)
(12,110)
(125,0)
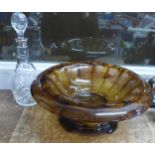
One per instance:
(94,128)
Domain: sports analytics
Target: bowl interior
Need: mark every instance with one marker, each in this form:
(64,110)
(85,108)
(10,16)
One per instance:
(93,85)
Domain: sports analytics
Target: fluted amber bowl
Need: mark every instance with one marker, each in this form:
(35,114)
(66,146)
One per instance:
(91,96)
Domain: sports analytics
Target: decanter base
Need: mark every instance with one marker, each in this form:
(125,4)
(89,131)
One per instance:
(26,105)
(92,128)
(26,101)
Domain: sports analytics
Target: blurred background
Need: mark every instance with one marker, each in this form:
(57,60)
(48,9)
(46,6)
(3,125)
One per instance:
(113,37)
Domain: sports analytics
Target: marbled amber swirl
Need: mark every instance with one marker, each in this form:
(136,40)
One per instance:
(92,92)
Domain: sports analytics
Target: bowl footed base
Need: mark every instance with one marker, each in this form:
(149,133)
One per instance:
(94,128)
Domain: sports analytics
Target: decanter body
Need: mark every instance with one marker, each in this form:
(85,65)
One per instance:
(24,74)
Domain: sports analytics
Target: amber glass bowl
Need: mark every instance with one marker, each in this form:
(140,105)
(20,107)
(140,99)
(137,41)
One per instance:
(90,96)
(87,48)
(89,45)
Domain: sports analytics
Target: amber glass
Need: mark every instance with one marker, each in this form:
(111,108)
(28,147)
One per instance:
(91,96)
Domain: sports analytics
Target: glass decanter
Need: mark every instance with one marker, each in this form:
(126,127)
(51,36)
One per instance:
(35,43)
(25,72)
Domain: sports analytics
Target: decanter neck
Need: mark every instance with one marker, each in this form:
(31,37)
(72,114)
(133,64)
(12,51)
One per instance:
(22,50)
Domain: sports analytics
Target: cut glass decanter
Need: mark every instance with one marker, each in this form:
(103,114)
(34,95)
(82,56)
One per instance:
(25,72)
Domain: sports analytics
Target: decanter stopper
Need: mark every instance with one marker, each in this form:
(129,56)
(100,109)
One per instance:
(19,22)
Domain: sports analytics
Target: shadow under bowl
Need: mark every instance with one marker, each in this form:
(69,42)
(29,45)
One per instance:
(91,96)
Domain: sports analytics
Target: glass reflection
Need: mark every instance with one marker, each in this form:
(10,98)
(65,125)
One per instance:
(119,38)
